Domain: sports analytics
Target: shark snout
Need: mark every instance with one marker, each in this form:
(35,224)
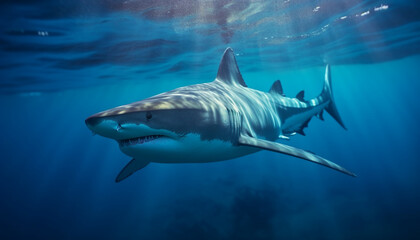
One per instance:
(103,126)
(92,121)
(110,127)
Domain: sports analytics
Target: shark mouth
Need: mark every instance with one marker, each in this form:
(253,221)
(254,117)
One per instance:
(138,140)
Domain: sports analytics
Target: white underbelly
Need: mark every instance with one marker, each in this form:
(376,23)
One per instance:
(188,149)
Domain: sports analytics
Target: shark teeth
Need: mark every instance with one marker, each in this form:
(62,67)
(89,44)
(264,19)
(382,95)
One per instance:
(138,140)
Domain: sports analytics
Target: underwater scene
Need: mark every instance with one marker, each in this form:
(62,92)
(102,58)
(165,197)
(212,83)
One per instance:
(291,119)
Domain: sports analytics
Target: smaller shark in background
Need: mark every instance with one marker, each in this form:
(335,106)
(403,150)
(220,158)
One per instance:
(215,121)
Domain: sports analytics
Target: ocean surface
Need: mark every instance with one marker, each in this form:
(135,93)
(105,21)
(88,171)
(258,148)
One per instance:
(62,61)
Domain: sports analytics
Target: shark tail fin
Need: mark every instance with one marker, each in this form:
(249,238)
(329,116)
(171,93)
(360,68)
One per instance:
(327,91)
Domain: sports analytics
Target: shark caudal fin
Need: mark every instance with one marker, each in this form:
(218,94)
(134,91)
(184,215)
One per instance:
(327,91)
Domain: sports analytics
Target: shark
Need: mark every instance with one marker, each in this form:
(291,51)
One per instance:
(214,121)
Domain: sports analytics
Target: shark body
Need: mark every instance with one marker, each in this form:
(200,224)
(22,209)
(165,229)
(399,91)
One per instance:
(214,121)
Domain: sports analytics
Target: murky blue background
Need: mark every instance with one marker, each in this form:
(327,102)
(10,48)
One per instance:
(62,61)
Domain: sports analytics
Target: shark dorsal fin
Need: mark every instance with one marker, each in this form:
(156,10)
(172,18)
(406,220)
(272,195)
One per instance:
(228,69)
(301,95)
(276,88)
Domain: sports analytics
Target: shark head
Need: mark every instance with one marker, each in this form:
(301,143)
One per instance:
(163,127)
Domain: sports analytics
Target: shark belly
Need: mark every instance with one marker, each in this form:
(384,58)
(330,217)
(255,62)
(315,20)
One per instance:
(188,149)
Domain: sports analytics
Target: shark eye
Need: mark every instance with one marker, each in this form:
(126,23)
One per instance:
(148,115)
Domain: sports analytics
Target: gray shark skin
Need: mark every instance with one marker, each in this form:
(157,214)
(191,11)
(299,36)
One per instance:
(214,121)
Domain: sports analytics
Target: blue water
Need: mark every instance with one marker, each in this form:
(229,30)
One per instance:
(63,61)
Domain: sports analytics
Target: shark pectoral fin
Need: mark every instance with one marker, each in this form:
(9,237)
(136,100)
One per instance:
(292,151)
(133,166)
